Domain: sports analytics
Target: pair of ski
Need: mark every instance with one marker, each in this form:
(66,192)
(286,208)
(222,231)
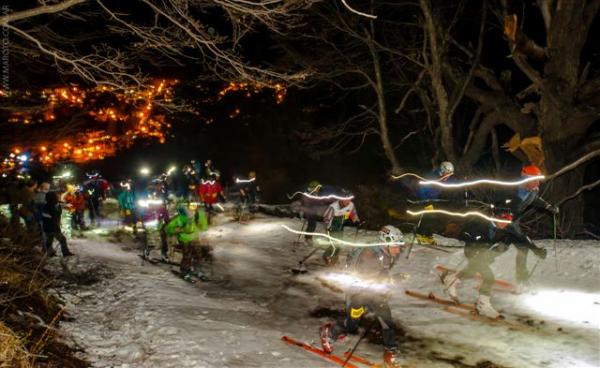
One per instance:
(499,285)
(192,280)
(462,309)
(345,362)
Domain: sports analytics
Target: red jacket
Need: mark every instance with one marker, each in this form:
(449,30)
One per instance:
(209,191)
(76,202)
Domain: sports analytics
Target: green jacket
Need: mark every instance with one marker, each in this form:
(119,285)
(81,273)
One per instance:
(126,200)
(187,229)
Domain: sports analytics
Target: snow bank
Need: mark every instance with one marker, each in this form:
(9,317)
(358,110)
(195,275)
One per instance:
(145,317)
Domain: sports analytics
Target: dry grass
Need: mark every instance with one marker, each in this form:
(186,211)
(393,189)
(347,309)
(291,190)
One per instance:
(29,315)
(12,350)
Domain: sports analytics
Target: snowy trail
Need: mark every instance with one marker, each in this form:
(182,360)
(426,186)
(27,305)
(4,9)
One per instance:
(143,316)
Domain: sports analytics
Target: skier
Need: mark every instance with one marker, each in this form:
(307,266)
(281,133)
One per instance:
(429,194)
(483,243)
(210,191)
(311,208)
(443,173)
(51,214)
(96,189)
(127,205)
(39,200)
(249,189)
(527,198)
(186,226)
(76,204)
(335,217)
(370,264)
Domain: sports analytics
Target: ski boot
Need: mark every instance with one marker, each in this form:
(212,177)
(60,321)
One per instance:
(450,282)
(389,359)
(426,239)
(484,307)
(202,276)
(326,339)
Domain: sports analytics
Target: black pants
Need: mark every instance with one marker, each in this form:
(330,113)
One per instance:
(379,307)
(190,258)
(480,256)
(61,239)
(94,208)
(311,225)
(210,210)
(77,221)
(522,251)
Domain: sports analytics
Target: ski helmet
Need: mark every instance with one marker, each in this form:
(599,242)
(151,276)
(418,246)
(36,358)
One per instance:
(313,185)
(531,170)
(391,234)
(446,168)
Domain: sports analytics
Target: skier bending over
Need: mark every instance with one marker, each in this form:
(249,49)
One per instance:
(371,264)
(483,243)
(186,226)
(527,198)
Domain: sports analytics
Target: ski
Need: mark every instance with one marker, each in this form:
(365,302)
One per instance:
(329,357)
(499,285)
(464,310)
(361,360)
(157,261)
(474,316)
(439,300)
(178,274)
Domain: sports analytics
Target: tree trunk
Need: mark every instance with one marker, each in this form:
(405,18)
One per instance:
(571,221)
(439,90)
(388,149)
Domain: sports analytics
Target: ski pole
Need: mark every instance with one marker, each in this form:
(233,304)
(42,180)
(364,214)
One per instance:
(554,242)
(555,252)
(358,342)
(414,237)
(301,230)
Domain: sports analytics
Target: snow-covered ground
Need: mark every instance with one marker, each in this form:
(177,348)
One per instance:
(141,315)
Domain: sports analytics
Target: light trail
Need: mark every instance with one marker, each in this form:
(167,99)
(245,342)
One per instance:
(238,180)
(302,193)
(459,214)
(355,282)
(394,177)
(481,182)
(149,202)
(344,242)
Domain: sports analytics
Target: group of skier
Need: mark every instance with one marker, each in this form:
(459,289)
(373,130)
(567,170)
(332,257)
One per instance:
(484,241)
(195,195)
(39,205)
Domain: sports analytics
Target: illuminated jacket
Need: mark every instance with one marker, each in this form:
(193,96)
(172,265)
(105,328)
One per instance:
(429,192)
(126,200)
(209,191)
(335,215)
(187,228)
(75,201)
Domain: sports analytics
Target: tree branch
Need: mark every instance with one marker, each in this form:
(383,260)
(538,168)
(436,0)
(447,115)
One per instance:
(45,9)
(574,165)
(579,191)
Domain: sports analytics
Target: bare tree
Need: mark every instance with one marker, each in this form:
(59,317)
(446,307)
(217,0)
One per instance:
(357,55)
(555,111)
